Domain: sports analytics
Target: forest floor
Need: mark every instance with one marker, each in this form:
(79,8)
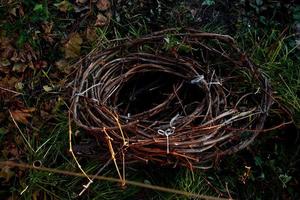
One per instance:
(41,40)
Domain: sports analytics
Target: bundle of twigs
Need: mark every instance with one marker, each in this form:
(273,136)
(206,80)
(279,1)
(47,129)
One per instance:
(172,97)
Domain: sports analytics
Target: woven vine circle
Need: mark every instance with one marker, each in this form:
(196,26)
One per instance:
(173,97)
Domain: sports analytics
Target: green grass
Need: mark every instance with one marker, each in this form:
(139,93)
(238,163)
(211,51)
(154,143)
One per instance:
(276,54)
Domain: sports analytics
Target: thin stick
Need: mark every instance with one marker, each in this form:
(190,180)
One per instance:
(29,145)
(94,176)
(12,91)
(125,143)
(71,150)
(112,152)
(262,130)
(111,179)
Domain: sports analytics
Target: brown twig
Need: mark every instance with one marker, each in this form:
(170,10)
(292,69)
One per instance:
(205,85)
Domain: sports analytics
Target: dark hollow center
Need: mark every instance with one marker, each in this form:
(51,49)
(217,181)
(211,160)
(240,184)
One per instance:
(146,90)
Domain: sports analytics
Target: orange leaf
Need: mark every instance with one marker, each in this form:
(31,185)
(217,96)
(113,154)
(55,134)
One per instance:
(22,115)
(103,5)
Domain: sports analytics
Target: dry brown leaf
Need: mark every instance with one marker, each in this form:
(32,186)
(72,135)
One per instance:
(8,82)
(101,20)
(73,46)
(13,11)
(61,64)
(103,5)
(6,48)
(22,115)
(25,54)
(63,6)
(47,27)
(15,57)
(91,34)
(19,67)
(40,64)
(8,90)
(4,63)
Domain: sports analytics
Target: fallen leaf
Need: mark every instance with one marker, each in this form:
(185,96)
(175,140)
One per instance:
(8,82)
(19,86)
(22,115)
(13,11)
(101,20)
(64,6)
(15,57)
(19,67)
(103,5)
(47,88)
(91,34)
(4,63)
(47,27)
(62,65)
(26,54)
(73,46)
(40,64)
